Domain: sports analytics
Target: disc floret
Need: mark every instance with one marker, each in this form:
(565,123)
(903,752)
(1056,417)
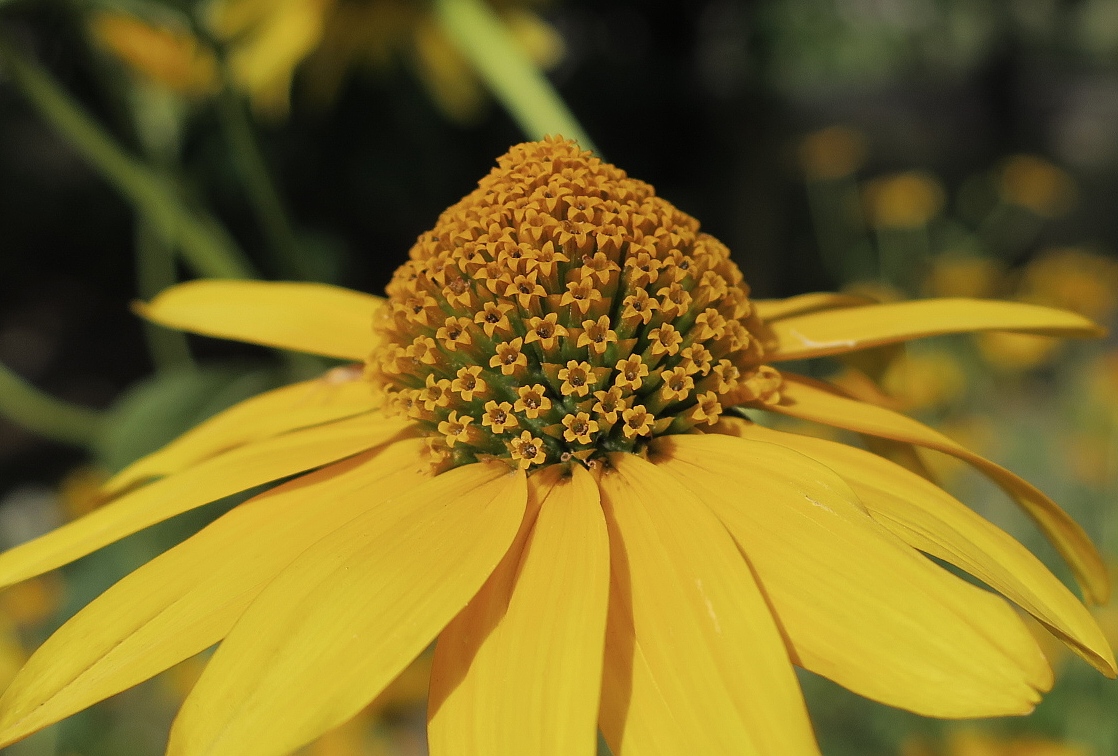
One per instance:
(561,311)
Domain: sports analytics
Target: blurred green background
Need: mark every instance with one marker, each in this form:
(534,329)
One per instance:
(899,148)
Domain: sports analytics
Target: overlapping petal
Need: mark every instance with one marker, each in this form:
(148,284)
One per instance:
(342,620)
(928,518)
(818,334)
(694,661)
(303,317)
(224,475)
(809,400)
(801,304)
(188,598)
(520,669)
(857,605)
(336,395)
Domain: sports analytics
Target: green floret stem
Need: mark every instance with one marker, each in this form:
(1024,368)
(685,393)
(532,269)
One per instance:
(53,418)
(484,39)
(205,245)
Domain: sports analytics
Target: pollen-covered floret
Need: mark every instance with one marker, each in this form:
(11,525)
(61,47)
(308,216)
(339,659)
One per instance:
(562,310)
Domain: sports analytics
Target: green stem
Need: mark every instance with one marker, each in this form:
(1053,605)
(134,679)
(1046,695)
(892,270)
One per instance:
(257,182)
(26,405)
(484,39)
(155,271)
(205,245)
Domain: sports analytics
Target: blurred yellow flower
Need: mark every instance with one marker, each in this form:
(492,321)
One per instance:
(971,743)
(374,35)
(1037,185)
(164,55)
(269,39)
(968,743)
(21,610)
(1101,382)
(972,431)
(905,200)
(832,153)
(1072,279)
(925,380)
(1068,278)
(965,276)
(80,491)
(1016,352)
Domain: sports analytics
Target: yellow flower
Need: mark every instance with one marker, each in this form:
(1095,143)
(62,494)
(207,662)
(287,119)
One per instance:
(968,743)
(1035,184)
(165,55)
(269,39)
(1072,279)
(959,276)
(832,153)
(1067,278)
(925,380)
(571,585)
(906,200)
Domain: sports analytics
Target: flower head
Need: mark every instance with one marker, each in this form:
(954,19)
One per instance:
(628,273)
(573,524)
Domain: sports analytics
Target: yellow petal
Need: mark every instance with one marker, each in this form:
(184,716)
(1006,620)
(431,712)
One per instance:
(836,331)
(928,518)
(188,598)
(776,309)
(213,479)
(694,661)
(520,669)
(859,606)
(337,625)
(811,401)
(334,396)
(303,317)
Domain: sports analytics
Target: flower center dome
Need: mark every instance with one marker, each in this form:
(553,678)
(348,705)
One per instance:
(562,310)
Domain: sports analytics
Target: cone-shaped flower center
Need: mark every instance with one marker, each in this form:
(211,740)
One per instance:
(562,310)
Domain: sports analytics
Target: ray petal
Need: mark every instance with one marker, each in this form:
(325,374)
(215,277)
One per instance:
(303,317)
(188,598)
(809,400)
(520,669)
(817,334)
(694,660)
(859,606)
(336,395)
(208,481)
(928,518)
(801,304)
(339,623)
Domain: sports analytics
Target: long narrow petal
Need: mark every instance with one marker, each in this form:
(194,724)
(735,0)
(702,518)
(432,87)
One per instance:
(859,606)
(213,479)
(801,304)
(338,624)
(694,660)
(303,317)
(928,518)
(188,598)
(336,395)
(520,669)
(846,330)
(806,400)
